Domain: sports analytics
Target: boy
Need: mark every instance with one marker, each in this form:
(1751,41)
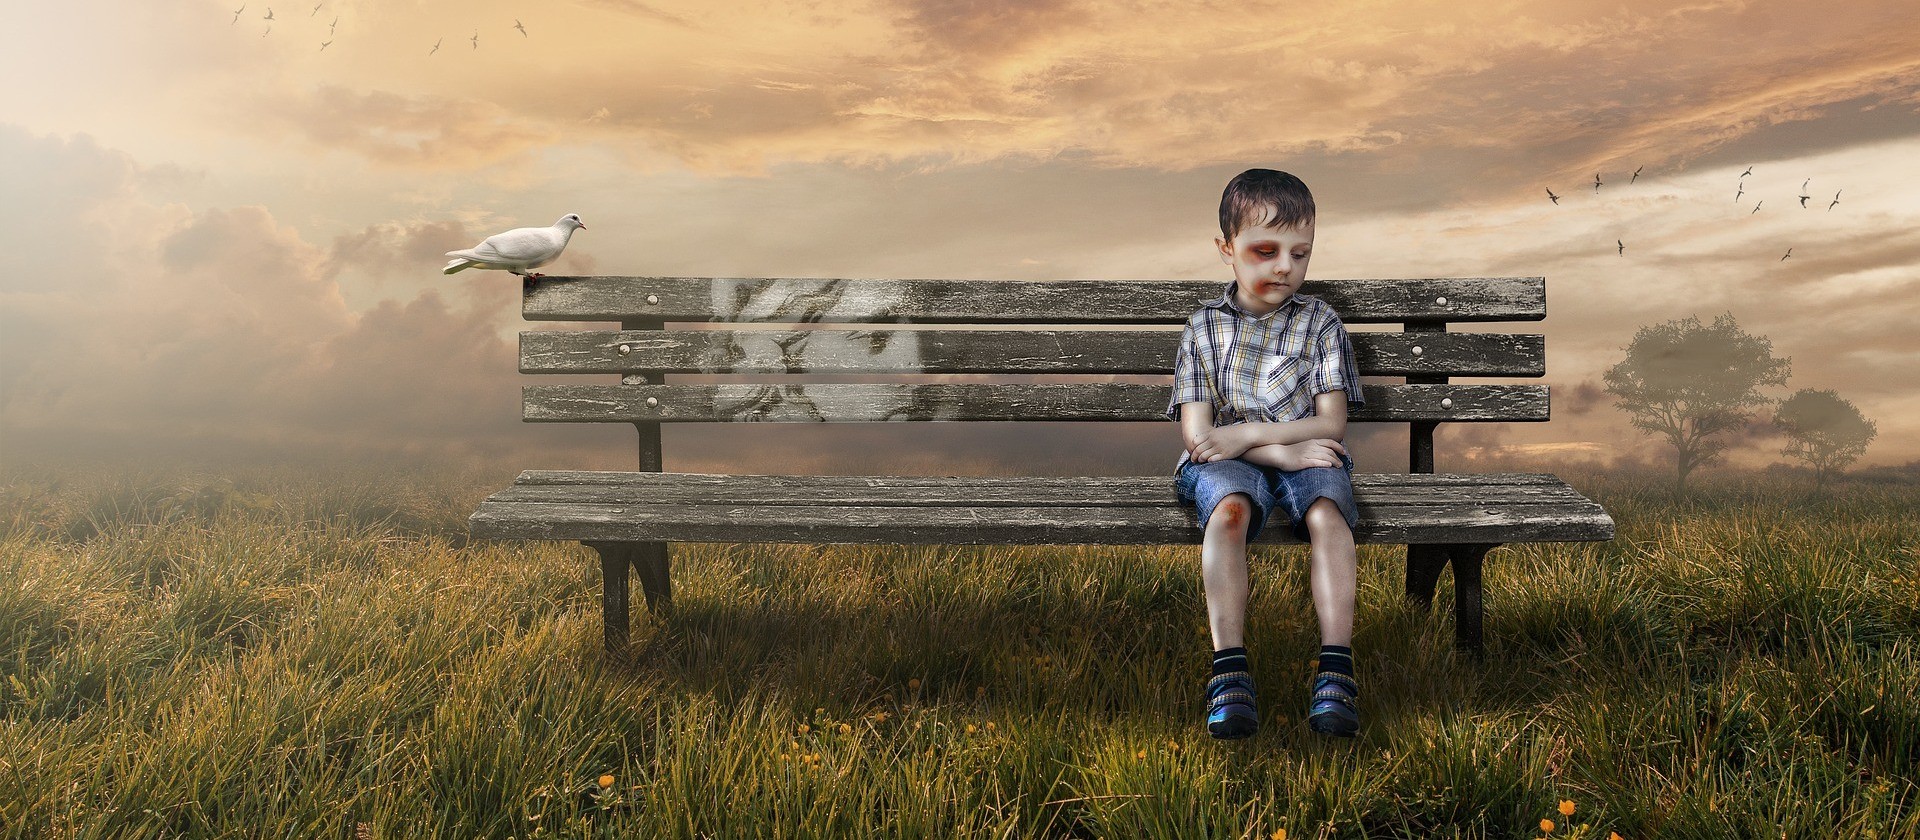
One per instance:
(1261,388)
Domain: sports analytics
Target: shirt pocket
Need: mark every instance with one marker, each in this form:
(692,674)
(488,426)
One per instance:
(1280,385)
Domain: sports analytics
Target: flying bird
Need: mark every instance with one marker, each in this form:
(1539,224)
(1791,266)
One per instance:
(518,250)
(236,14)
(1756,207)
(1622,246)
(323,45)
(269,14)
(1748,172)
(1636,176)
(516,25)
(475,39)
(1836,200)
(1556,199)
(1803,200)
(1740,192)
(1596,182)
(436,47)
(316,9)
(1788,254)
(330,26)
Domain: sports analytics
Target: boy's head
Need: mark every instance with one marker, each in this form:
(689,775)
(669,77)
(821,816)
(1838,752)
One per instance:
(1266,226)
(1264,198)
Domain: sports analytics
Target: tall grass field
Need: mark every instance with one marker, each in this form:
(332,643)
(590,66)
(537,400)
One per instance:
(301,654)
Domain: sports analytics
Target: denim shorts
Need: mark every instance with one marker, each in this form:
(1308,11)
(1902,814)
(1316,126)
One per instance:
(1205,485)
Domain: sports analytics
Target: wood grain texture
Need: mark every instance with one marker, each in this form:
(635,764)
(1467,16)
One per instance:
(860,300)
(1078,401)
(838,351)
(1393,509)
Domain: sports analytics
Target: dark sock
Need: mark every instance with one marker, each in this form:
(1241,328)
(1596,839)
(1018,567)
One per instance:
(1337,658)
(1230,660)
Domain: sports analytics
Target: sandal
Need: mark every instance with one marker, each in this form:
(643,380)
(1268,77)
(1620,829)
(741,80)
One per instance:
(1231,711)
(1332,710)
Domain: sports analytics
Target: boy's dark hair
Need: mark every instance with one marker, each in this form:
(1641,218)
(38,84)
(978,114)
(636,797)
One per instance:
(1264,198)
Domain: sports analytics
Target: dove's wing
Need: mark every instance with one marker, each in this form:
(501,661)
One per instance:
(519,245)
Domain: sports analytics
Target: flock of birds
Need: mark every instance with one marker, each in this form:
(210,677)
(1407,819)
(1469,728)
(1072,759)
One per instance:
(268,17)
(1620,248)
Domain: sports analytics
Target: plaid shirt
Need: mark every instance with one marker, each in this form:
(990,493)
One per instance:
(1265,368)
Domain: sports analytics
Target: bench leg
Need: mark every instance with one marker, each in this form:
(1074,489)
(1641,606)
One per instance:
(1424,564)
(614,559)
(650,561)
(1466,595)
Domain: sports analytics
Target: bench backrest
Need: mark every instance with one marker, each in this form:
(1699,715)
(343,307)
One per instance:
(1012,328)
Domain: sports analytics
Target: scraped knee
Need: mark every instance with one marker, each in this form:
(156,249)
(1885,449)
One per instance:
(1233,510)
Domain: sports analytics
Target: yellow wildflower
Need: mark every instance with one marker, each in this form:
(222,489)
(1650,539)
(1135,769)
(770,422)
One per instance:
(819,710)
(1140,754)
(972,729)
(606,780)
(1546,826)
(913,684)
(990,726)
(1279,834)
(879,717)
(804,729)
(846,729)
(1614,835)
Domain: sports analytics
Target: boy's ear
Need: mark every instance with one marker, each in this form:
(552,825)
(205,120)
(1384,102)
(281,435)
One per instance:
(1226,250)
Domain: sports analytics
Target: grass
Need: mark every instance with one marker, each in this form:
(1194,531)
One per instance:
(327,655)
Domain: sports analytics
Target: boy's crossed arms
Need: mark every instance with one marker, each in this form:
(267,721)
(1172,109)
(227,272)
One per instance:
(1313,441)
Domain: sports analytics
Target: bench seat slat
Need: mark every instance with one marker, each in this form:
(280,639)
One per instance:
(830,351)
(1125,491)
(1119,401)
(915,482)
(858,300)
(1464,522)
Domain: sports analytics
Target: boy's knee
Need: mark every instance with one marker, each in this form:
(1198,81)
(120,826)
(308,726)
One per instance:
(1324,514)
(1232,511)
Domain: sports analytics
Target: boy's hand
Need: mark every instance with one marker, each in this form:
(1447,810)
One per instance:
(1220,443)
(1319,452)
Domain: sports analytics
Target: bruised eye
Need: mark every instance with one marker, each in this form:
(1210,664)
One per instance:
(1265,253)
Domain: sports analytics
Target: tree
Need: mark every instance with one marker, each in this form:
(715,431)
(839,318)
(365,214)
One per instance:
(1693,383)
(1823,430)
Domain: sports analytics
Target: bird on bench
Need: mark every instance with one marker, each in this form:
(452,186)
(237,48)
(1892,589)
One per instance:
(518,250)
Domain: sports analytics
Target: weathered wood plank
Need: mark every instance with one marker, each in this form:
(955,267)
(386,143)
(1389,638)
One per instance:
(832,351)
(823,402)
(1084,492)
(1165,524)
(829,300)
(1039,483)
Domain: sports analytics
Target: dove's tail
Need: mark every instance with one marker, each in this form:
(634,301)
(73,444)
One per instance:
(457,265)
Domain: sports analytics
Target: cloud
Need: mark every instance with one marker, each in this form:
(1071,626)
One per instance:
(414,131)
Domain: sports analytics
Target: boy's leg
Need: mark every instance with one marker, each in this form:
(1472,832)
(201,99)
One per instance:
(1223,570)
(1334,571)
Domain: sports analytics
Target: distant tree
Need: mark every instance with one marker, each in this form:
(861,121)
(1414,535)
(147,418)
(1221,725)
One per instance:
(1692,384)
(1823,430)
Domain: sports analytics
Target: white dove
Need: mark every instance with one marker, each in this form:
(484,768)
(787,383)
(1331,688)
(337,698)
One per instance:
(519,249)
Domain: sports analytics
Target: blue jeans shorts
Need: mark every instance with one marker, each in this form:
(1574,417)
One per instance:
(1205,485)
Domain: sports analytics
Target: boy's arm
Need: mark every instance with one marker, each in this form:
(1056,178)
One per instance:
(1329,421)
(1196,419)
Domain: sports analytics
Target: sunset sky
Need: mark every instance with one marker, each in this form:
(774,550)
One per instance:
(225,239)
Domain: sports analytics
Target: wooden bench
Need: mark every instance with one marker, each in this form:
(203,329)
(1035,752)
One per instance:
(630,517)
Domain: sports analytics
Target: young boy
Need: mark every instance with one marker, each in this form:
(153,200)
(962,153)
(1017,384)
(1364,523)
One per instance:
(1260,390)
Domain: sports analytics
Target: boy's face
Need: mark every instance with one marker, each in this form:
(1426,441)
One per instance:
(1269,264)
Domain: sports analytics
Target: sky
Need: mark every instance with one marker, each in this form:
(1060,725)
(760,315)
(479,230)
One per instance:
(226,238)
